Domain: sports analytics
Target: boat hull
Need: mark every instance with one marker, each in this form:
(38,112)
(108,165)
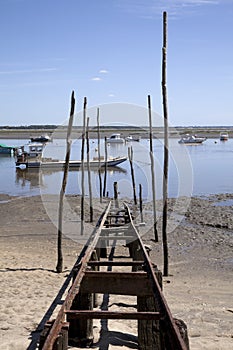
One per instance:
(6,151)
(195,142)
(115,141)
(115,138)
(192,140)
(73,164)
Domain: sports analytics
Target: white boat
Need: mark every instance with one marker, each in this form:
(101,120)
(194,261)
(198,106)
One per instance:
(48,163)
(30,151)
(224,136)
(131,138)
(115,138)
(192,140)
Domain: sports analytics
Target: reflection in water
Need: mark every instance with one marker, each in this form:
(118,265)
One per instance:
(37,178)
(32,177)
(192,170)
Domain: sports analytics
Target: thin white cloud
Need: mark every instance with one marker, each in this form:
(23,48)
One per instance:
(96,79)
(154,8)
(27,71)
(111,95)
(103,71)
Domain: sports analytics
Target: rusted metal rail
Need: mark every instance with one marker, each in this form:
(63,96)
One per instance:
(74,319)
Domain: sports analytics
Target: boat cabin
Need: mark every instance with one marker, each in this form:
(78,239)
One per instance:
(115,138)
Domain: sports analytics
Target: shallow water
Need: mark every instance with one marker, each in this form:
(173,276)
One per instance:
(224,203)
(193,170)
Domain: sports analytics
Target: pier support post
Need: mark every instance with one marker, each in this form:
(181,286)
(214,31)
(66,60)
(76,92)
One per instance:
(148,330)
(81,330)
(61,342)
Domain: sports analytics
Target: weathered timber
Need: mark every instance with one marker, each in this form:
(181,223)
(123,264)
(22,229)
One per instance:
(116,194)
(87,314)
(157,329)
(166,154)
(121,283)
(59,266)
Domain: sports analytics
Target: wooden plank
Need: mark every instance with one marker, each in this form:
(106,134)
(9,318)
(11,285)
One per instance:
(121,283)
(86,314)
(115,230)
(115,263)
(117,238)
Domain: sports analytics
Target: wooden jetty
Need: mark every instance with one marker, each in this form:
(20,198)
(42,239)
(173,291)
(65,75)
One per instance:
(101,270)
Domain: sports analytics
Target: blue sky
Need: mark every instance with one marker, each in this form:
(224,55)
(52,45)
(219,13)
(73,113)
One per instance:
(110,51)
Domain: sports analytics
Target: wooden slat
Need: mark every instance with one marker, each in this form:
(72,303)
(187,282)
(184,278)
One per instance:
(117,238)
(73,314)
(120,283)
(115,263)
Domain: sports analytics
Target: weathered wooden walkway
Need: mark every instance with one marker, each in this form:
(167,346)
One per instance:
(98,271)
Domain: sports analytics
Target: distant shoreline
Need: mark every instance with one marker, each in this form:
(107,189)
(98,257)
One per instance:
(143,132)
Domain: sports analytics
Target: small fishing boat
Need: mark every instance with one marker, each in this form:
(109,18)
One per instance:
(30,151)
(6,150)
(48,163)
(132,138)
(42,138)
(192,140)
(115,138)
(224,136)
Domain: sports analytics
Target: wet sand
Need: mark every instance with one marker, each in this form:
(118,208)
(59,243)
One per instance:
(198,289)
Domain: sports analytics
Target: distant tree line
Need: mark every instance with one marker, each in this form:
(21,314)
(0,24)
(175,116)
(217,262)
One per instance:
(28,127)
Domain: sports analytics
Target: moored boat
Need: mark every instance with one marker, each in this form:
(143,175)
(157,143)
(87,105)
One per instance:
(42,138)
(192,140)
(6,150)
(32,150)
(115,138)
(224,136)
(48,163)
(131,138)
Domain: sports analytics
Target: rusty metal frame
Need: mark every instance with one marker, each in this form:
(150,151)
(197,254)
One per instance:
(164,314)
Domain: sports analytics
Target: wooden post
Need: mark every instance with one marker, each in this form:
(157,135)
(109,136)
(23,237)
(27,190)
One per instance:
(149,337)
(140,202)
(149,332)
(105,167)
(82,160)
(116,195)
(89,171)
(81,330)
(99,168)
(165,166)
(130,155)
(152,172)
(94,257)
(59,266)
(61,342)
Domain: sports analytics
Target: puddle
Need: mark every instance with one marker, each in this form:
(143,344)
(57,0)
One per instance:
(224,203)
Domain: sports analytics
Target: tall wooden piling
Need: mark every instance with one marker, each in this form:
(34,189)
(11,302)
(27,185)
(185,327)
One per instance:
(59,266)
(140,202)
(99,167)
(166,154)
(152,171)
(105,166)
(130,156)
(82,162)
(89,172)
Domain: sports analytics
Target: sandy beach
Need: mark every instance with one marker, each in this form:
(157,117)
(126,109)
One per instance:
(198,289)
